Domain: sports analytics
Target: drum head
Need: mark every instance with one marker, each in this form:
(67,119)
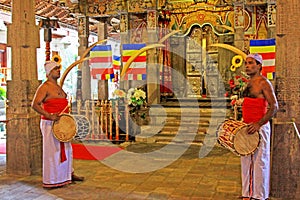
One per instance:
(83,126)
(245,143)
(64,129)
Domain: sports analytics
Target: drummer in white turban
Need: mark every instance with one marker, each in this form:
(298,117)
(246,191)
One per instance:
(259,106)
(50,101)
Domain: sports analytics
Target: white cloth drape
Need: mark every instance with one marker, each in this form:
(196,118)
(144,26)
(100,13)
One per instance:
(55,173)
(259,164)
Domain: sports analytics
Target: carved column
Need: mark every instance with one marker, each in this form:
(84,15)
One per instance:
(84,76)
(271,18)
(24,141)
(102,84)
(239,24)
(124,35)
(285,173)
(178,45)
(153,87)
(224,56)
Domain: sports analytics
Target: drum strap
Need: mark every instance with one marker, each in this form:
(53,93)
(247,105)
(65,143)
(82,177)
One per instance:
(63,156)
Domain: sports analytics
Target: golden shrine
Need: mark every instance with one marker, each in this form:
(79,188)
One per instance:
(207,34)
(200,37)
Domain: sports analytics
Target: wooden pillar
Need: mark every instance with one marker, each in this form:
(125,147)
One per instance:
(153,82)
(285,171)
(124,35)
(178,59)
(239,25)
(84,76)
(24,140)
(225,56)
(271,21)
(102,84)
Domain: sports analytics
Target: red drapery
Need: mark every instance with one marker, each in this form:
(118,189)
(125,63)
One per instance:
(166,88)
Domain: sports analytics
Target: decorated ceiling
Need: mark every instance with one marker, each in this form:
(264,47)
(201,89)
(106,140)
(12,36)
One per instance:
(222,15)
(65,11)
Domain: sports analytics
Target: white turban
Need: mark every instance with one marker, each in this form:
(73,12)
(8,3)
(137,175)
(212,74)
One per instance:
(49,65)
(257,57)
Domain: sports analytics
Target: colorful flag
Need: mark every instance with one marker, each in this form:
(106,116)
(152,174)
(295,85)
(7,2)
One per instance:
(266,48)
(101,62)
(137,69)
(116,62)
(116,67)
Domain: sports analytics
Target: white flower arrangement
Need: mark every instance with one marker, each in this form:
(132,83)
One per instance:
(136,98)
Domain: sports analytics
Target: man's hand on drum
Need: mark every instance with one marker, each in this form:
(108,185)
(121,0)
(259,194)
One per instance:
(253,127)
(53,116)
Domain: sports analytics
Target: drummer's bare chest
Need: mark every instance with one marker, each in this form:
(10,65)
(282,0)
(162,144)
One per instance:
(56,92)
(253,90)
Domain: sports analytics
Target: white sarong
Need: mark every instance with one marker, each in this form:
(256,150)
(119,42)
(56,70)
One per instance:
(55,172)
(256,168)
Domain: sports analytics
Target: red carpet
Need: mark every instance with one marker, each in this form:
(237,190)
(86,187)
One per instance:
(84,152)
(89,152)
(3,148)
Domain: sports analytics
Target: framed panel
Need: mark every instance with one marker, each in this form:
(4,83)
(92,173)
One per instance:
(195,86)
(193,46)
(212,85)
(193,68)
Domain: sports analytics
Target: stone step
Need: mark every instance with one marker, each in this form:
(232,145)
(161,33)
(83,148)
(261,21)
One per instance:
(174,118)
(172,140)
(204,102)
(175,111)
(176,122)
(172,137)
(186,128)
(193,121)
(165,135)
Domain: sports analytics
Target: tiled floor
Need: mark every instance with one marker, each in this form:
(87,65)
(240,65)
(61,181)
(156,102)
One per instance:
(151,171)
(142,171)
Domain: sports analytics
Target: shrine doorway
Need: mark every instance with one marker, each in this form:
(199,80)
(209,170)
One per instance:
(193,57)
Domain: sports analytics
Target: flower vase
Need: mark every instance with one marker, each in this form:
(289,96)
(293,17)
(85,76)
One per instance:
(141,116)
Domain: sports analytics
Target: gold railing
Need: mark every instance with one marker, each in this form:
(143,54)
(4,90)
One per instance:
(109,120)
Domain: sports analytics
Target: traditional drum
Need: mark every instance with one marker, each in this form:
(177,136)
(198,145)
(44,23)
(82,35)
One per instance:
(68,127)
(83,127)
(233,135)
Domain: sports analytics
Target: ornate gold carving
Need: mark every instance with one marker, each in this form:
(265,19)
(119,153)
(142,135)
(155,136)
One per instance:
(123,23)
(212,85)
(138,27)
(141,5)
(195,86)
(271,15)
(151,20)
(207,2)
(82,26)
(101,8)
(256,2)
(185,22)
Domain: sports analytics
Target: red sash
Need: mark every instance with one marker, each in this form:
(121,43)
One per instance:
(254,109)
(57,105)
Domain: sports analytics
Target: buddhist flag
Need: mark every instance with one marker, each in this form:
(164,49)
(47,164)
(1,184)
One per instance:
(116,67)
(137,70)
(101,62)
(266,48)
(116,62)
